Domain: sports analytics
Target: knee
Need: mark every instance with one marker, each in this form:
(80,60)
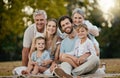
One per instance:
(95,59)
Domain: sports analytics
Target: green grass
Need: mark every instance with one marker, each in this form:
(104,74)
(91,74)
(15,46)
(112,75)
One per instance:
(112,66)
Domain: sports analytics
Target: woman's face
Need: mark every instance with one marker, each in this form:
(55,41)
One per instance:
(77,19)
(51,27)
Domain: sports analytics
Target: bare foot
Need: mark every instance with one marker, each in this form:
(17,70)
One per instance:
(24,72)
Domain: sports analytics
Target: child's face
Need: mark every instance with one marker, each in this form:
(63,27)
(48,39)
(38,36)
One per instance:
(77,19)
(82,33)
(40,44)
(51,27)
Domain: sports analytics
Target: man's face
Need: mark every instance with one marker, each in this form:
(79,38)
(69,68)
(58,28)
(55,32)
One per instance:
(66,26)
(40,21)
(77,19)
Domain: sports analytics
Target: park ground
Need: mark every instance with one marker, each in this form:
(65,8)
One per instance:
(112,66)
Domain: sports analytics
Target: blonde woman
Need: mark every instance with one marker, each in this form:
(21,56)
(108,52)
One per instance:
(53,42)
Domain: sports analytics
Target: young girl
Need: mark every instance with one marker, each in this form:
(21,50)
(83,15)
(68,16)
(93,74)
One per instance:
(40,59)
(82,50)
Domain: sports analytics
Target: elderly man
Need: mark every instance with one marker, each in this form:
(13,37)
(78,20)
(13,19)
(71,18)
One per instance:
(38,27)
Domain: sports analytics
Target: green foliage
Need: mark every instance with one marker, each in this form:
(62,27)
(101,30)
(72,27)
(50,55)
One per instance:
(12,25)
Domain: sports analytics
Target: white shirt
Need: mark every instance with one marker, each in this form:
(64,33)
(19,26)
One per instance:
(83,48)
(30,33)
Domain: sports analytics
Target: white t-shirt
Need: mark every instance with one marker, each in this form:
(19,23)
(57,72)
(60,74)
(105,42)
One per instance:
(83,48)
(30,33)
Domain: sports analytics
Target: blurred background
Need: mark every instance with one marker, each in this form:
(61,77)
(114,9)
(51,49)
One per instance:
(16,15)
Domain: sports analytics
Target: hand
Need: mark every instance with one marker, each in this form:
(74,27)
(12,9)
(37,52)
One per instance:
(44,63)
(33,63)
(53,66)
(81,60)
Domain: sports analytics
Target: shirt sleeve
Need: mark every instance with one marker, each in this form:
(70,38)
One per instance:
(27,40)
(92,28)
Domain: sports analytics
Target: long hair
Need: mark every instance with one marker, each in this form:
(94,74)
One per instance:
(54,39)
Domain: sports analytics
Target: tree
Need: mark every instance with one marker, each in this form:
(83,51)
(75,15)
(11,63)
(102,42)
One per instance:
(15,16)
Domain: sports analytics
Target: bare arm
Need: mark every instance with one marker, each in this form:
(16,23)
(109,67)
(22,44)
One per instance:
(32,49)
(57,52)
(28,36)
(83,58)
(47,62)
(25,53)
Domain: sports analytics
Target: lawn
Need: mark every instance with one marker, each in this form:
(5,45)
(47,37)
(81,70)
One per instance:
(112,66)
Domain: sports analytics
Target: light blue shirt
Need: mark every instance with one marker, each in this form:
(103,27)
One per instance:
(68,44)
(45,56)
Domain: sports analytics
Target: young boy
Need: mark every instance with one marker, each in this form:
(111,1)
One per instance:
(83,45)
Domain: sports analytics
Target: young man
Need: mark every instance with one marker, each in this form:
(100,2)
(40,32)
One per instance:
(38,27)
(89,62)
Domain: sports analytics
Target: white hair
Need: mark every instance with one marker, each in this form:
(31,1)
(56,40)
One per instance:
(37,12)
(78,10)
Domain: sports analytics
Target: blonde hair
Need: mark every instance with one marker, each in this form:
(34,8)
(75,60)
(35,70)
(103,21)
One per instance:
(82,26)
(54,39)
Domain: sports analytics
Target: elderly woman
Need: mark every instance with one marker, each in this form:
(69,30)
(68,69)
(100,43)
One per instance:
(78,18)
